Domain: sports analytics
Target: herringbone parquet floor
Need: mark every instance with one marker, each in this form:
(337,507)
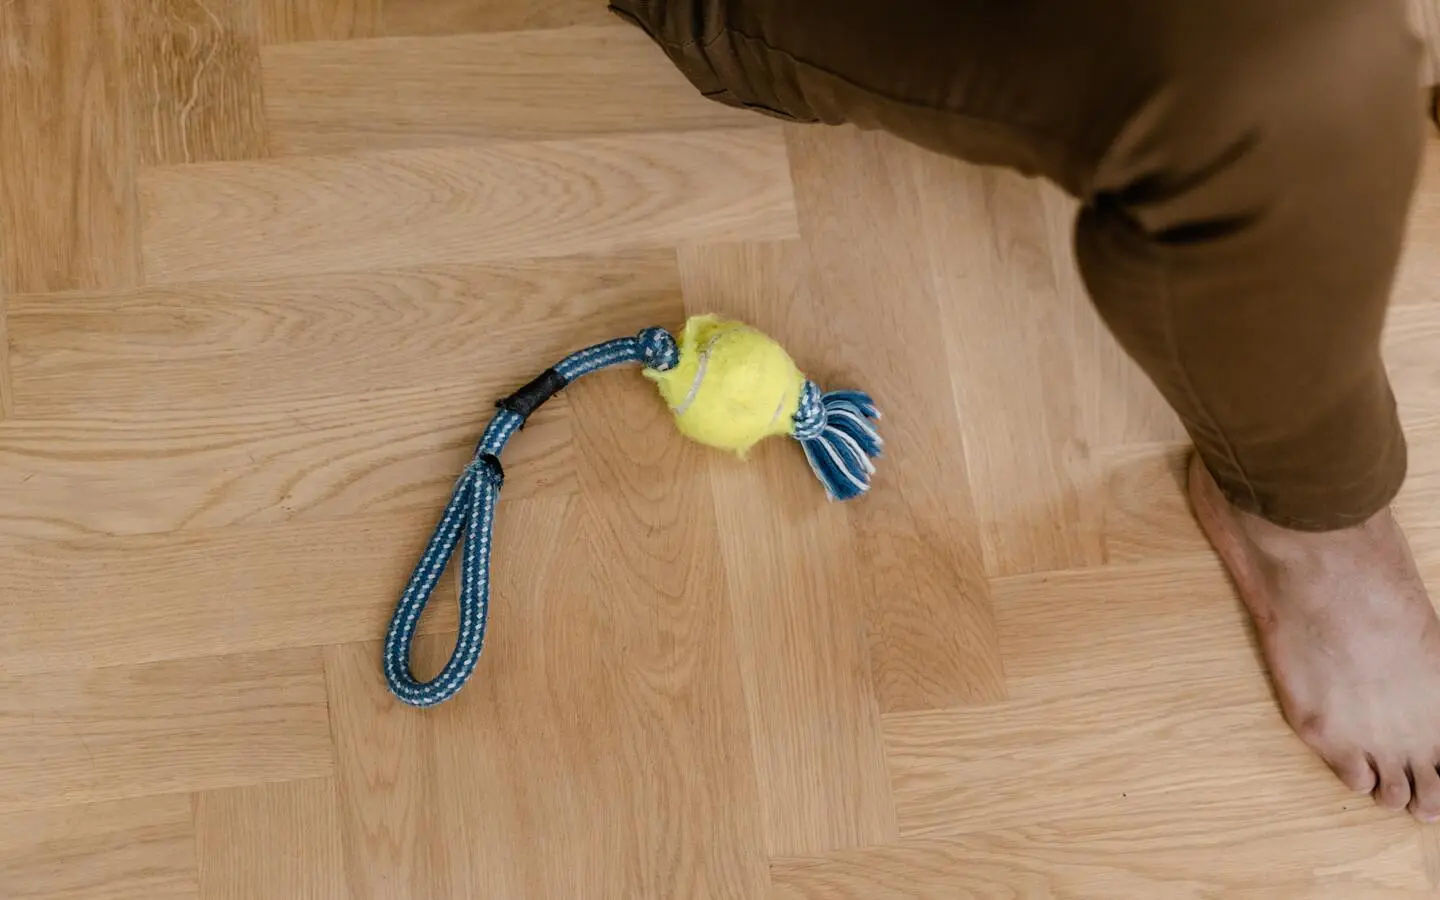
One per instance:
(265,266)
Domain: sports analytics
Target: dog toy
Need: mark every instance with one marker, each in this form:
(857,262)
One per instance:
(729,387)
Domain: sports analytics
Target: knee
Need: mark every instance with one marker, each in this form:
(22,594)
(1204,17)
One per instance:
(1256,110)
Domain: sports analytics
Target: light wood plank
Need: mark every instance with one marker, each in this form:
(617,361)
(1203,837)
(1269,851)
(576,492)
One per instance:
(472,204)
(66,162)
(7,380)
(457,16)
(135,473)
(1430,846)
(1169,622)
(433,92)
(1170,763)
(932,636)
(121,601)
(270,840)
(194,76)
(283,21)
(608,696)
(1141,493)
(126,850)
(210,347)
(799,609)
(1378,863)
(107,734)
(988,242)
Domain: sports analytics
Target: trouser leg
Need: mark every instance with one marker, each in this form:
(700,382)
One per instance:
(1246,170)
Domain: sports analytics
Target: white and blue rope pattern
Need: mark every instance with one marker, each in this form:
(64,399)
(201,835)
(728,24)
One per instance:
(471,513)
(836,430)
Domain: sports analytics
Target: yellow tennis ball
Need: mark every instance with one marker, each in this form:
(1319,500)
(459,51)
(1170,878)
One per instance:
(733,386)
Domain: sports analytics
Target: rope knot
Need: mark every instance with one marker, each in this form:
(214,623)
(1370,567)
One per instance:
(810,417)
(838,433)
(658,349)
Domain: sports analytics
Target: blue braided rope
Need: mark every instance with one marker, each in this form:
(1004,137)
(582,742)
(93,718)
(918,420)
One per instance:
(471,513)
(836,429)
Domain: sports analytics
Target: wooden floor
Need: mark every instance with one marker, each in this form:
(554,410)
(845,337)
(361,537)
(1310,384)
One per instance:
(267,264)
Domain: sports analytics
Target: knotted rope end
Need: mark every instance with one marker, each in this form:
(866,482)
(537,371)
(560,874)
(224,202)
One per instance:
(837,431)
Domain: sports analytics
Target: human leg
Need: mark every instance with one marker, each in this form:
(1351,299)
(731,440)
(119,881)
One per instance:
(1246,171)
(1242,247)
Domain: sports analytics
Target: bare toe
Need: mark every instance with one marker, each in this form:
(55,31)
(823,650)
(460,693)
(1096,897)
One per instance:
(1426,803)
(1394,791)
(1355,771)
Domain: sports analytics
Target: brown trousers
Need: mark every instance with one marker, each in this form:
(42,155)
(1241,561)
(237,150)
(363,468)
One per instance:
(1246,169)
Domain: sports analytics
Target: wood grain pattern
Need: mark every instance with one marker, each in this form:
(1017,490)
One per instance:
(932,637)
(543,85)
(1015,669)
(1379,864)
(168,597)
(194,70)
(141,473)
(1430,848)
(437,17)
(1142,632)
(125,850)
(471,204)
(1218,759)
(67,191)
(270,840)
(283,21)
(108,734)
(799,617)
(7,381)
(995,270)
(209,347)
(619,712)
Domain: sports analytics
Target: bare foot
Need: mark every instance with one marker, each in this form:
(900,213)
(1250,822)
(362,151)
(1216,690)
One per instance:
(1352,642)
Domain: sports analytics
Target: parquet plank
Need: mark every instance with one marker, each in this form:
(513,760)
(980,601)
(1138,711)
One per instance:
(67,196)
(417,17)
(7,381)
(131,600)
(433,92)
(1377,863)
(617,710)
(1005,319)
(1149,764)
(799,609)
(393,763)
(106,734)
(1060,639)
(270,840)
(194,75)
(211,347)
(283,21)
(1430,847)
(135,473)
(919,550)
(126,850)
(473,204)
